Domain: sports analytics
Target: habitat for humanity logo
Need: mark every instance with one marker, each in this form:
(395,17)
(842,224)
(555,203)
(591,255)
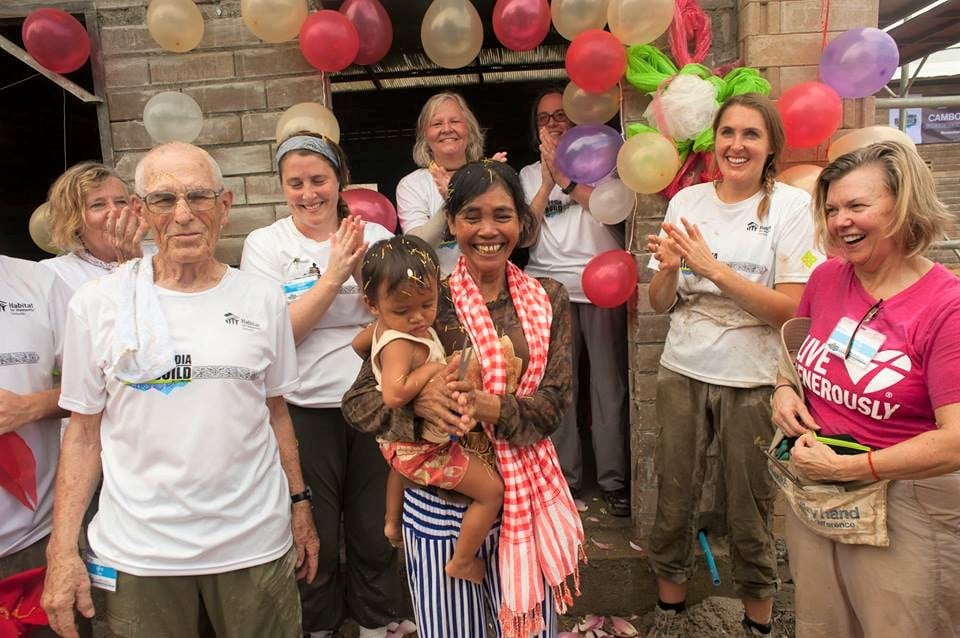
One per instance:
(754,227)
(179,376)
(236,320)
(16,307)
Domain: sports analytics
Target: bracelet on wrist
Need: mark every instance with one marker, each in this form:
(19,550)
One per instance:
(781,385)
(566,190)
(873,469)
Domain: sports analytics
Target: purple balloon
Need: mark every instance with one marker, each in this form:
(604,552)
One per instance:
(859,62)
(588,153)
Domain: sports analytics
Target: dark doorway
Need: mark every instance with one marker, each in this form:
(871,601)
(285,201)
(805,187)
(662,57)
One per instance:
(44,130)
(379,127)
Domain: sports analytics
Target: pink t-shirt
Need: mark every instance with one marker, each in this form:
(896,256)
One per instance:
(915,371)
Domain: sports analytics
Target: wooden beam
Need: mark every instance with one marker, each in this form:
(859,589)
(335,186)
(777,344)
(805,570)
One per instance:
(20,8)
(67,85)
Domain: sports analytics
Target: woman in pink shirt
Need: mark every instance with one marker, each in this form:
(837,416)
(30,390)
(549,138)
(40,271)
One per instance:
(879,363)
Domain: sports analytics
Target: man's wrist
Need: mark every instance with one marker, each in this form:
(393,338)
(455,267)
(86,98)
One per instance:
(566,190)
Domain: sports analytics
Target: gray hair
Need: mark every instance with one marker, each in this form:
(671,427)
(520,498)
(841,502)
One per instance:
(475,137)
(139,177)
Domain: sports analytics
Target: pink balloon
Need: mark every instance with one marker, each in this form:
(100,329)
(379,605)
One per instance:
(371,206)
(373,26)
(521,25)
(596,60)
(329,41)
(56,40)
(610,278)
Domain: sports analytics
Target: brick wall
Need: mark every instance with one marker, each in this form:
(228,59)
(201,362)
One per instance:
(242,86)
(783,39)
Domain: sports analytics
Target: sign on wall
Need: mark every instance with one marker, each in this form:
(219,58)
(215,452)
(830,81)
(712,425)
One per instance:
(930,125)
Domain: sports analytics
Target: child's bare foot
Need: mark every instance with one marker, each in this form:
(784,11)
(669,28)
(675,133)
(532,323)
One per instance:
(391,530)
(471,569)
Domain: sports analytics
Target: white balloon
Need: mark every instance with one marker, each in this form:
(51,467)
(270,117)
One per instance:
(612,202)
(172,116)
(451,33)
(573,17)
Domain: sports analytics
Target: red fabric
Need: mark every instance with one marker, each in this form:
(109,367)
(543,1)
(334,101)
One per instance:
(441,465)
(18,469)
(689,23)
(20,603)
(541,538)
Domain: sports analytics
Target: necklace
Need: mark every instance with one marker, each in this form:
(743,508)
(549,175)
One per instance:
(88,257)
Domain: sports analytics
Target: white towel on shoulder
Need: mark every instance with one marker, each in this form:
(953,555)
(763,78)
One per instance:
(142,350)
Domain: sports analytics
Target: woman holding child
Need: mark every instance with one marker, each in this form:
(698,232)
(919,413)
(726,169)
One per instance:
(315,254)
(530,554)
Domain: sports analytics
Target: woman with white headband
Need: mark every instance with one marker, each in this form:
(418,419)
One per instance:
(315,254)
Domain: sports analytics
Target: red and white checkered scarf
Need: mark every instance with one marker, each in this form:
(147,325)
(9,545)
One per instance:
(541,537)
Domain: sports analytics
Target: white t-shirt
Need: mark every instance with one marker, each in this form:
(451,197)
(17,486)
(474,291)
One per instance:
(417,200)
(33,308)
(569,237)
(711,338)
(76,271)
(192,481)
(328,365)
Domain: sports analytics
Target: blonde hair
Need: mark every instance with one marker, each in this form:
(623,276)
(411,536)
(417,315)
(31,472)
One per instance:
(775,134)
(475,138)
(67,199)
(918,216)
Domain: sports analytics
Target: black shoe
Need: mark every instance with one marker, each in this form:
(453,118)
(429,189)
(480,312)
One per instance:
(618,502)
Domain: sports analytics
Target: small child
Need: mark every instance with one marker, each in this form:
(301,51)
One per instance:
(400,280)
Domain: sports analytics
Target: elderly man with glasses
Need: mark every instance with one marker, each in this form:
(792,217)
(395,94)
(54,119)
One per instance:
(174,369)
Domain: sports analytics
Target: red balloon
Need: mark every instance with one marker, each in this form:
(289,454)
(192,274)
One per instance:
(373,26)
(596,60)
(811,112)
(371,206)
(610,278)
(521,25)
(329,41)
(56,40)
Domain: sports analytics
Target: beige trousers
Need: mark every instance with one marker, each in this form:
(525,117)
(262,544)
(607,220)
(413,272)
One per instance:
(911,588)
(255,602)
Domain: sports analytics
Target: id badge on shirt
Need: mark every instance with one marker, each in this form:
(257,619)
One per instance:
(866,341)
(101,576)
(296,288)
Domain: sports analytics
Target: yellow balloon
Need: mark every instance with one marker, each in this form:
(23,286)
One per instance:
(573,17)
(803,176)
(274,20)
(176,25)
(308,116)
(866,136)
(590,108)
(639,21)
(647,162)
(39,228)
(452,33)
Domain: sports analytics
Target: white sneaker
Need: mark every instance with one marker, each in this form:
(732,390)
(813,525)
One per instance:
(376,632)
(667,624)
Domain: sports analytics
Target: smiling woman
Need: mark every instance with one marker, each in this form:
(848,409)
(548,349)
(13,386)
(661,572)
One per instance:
(731,262)
(877,208)
(448,136)
(525,581)
(92,223)
(315,256)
